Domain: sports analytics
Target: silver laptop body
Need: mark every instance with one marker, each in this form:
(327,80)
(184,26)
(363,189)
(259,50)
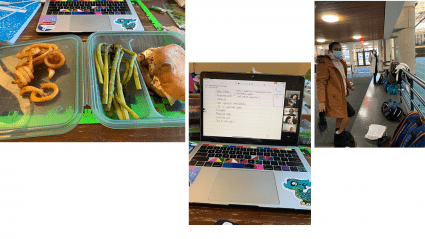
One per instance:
(90,17)
(223,176)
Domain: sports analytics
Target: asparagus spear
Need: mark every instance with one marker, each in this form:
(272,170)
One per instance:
(98,70)
(99,54)
(127,108)
(134,56)
(127,66)
(111,89)
(106,76)
(136,74)
(120,94)
(117,108)
(136,78)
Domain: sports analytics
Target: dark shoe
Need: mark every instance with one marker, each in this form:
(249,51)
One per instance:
(384,141)
(322,122)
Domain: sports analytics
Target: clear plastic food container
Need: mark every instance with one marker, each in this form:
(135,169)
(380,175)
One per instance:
(78,86)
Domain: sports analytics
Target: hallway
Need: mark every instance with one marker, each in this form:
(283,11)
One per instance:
(366,100)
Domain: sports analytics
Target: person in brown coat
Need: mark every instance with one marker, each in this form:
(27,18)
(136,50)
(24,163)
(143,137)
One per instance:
(332,84)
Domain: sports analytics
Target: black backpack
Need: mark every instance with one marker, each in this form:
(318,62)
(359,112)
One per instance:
(392,73)
(347,140)
(391,110)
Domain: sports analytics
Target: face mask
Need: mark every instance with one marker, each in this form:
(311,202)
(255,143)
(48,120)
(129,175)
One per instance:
(337,54)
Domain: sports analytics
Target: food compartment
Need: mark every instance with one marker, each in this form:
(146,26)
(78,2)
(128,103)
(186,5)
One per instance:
(138,100)
(21,117)
(159,39)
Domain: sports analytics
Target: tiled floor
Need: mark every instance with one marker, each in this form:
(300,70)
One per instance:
(355,99)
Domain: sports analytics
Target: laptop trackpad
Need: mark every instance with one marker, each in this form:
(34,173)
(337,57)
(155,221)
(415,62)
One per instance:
(245,186)
(90,23)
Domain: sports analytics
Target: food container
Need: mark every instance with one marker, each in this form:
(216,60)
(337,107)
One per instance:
(78,86)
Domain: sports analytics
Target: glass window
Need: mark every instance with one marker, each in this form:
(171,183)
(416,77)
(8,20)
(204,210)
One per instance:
(346,54)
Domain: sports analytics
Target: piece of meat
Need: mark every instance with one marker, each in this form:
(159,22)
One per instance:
(163,71)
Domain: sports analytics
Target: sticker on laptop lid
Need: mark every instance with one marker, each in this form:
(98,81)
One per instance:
(123,23)
(193,173)
(47,23)
(300,188)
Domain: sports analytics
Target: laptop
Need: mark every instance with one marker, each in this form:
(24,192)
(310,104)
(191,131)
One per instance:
(88,16)
(248,152)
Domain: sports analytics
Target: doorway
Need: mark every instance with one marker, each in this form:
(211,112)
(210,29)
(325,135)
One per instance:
(363,58)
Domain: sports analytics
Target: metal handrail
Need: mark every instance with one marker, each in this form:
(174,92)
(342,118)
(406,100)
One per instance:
(410,80)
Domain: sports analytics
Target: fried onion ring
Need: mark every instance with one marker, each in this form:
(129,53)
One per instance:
(53,86)
(27,49)
(22,79)
(56,57)
(39,59)
(32,55)
(23,62)
(31,89)
(28,70)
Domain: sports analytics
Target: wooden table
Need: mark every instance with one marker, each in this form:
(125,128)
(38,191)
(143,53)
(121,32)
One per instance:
(201,214)
(98,132)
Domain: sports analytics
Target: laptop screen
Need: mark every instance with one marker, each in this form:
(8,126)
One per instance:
(250,108)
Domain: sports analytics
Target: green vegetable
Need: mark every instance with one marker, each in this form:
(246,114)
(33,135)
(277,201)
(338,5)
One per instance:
(106,76)
(98,70)
(117,59)
(134,56)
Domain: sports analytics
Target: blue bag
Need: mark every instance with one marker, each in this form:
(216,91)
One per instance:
(410,132)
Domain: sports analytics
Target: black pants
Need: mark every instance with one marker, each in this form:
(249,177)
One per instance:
(374,78)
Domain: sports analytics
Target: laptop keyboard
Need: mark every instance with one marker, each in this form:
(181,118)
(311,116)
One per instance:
(259,158)
(98,7)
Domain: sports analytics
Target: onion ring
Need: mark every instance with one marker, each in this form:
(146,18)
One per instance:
(23,62)
(53,86)
(31,89)
(21,77)
(39,59)
(32,55)
(25,74)
(56,56)
(28,70)
(27,49)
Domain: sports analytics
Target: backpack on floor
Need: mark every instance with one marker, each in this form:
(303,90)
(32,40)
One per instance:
(385,84)
(382,79)
(391,110)
(392,73)
(347,140)
(392,89)
(410,132)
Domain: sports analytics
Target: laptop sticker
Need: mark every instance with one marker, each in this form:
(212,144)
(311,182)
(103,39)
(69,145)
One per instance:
(47,23)
(126,23)
(232,161)
(193,173)
(258,166)
(218,160)
(301,189)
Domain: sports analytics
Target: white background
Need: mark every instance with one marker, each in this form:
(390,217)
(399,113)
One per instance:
(140,190)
